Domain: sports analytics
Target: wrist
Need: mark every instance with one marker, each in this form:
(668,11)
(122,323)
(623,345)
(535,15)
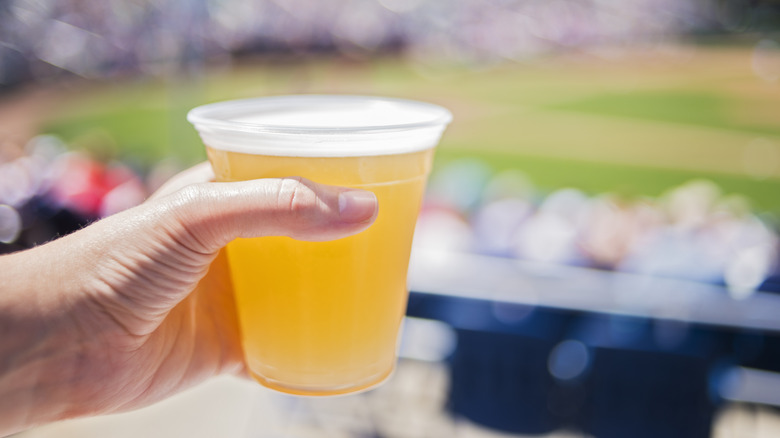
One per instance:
(40,354)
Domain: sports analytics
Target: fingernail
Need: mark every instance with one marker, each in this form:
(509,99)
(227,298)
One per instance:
(357,205)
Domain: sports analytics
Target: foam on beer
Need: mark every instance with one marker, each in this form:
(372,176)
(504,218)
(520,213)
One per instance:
(320,125)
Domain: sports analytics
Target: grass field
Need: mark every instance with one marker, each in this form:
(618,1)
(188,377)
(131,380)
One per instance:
(637,124)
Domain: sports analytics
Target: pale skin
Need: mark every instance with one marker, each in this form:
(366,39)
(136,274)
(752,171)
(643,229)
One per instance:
(137,307)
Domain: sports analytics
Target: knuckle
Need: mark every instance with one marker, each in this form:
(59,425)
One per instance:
(190,195)
(296,197)
(191,200)
(192,207)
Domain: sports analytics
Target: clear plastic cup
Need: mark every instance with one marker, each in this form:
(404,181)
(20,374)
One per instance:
(322,318)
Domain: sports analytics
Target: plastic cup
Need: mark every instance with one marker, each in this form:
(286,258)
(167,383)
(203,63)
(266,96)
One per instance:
(322,318)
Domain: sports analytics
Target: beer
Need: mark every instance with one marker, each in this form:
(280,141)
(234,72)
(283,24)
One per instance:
(323,318)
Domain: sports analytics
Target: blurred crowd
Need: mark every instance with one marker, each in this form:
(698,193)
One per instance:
(47,191)
(41,39)
(693,231)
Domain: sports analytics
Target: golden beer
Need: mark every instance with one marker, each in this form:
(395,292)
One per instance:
(322,318)
(326,314)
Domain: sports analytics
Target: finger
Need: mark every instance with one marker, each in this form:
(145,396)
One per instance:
(198,173)
(212,214)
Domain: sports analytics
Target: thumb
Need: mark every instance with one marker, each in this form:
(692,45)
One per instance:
(210,215)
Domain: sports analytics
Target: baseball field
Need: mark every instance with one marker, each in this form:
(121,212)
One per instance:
(631,122)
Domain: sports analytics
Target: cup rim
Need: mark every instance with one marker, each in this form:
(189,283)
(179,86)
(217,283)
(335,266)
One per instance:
(204,116)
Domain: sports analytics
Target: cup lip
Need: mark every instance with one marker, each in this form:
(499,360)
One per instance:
(203,116)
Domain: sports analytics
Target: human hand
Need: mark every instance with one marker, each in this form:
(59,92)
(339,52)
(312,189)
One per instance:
(138,306)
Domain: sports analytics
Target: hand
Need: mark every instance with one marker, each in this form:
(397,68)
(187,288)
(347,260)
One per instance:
(138,306)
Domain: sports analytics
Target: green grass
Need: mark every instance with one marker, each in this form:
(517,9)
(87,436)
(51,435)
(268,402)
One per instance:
(626,181)
(708,109)
(564,126)
(142,132)
(144,123)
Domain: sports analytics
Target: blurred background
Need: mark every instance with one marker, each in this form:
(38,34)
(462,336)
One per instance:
(598,252)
